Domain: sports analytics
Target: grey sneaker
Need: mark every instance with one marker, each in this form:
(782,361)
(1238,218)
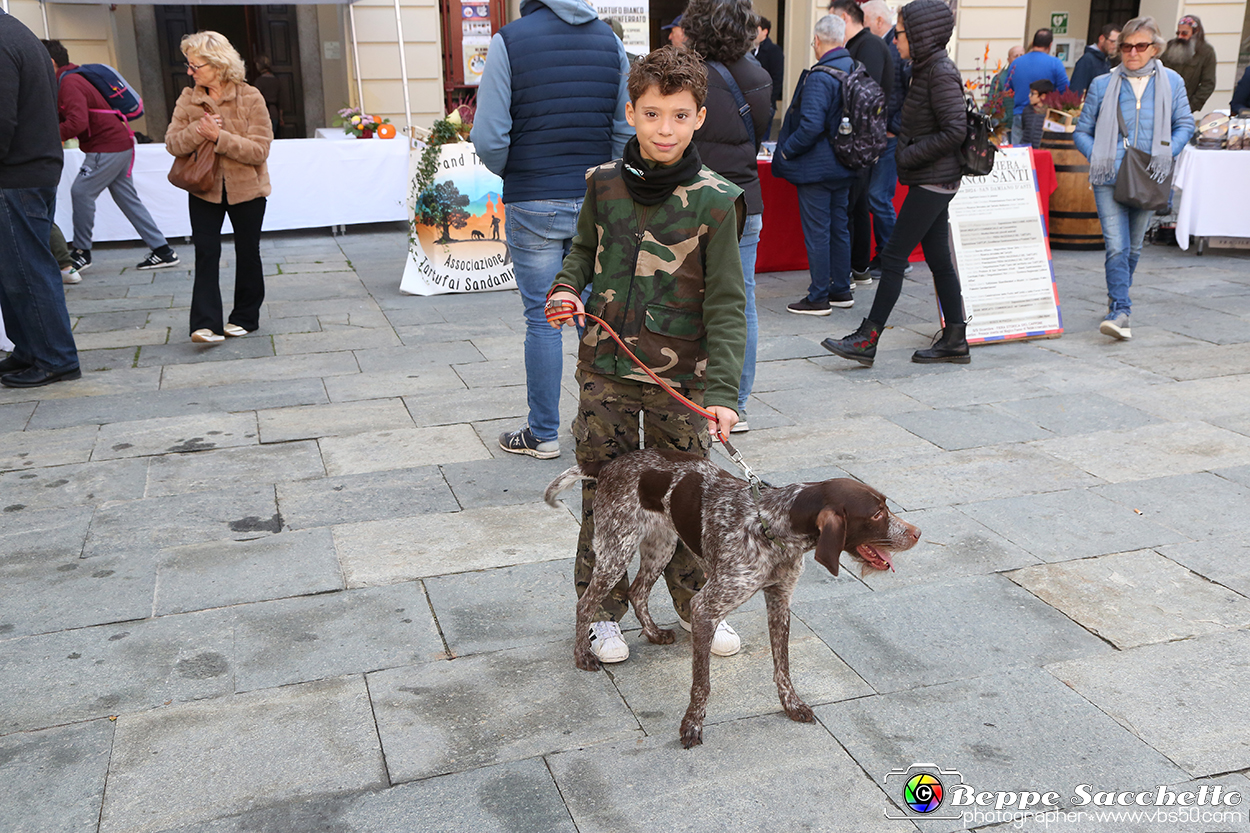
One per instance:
(1116,326)
(860,279)
(524,442)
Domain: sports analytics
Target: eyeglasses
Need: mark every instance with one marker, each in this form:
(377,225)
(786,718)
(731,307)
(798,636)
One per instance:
(900,33)
(195,67)
(1134,47)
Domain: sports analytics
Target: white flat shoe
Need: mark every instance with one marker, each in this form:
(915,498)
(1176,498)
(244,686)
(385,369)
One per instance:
(725,640)
(206,337)
(234,330)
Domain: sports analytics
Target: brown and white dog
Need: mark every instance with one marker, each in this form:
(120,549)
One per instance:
(647,499)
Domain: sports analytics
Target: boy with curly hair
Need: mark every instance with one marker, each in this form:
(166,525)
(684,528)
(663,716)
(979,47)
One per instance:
(657,238)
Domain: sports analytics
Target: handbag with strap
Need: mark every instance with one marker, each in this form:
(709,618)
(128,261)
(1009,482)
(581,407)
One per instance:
(1134,186)
(196,173)
(744,109)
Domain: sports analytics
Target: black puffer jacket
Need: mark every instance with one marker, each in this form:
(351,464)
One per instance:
(722,140)
(934,120)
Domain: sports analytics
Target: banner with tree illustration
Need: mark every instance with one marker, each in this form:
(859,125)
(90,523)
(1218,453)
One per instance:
(457,241)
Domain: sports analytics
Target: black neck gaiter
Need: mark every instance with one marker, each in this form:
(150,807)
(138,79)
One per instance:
(653,185)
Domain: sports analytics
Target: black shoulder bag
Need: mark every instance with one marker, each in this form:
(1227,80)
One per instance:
(744,109)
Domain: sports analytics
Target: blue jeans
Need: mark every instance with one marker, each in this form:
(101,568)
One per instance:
(827,234)
(881,194)
(31,295)
(540,233)
(747,248)
(1124,229)
(1017,129)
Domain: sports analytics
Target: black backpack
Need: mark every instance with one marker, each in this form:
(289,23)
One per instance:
(977,154)
(858,135)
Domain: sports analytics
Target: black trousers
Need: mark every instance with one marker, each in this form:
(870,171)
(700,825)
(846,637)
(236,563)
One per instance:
(860,221)
(923,220)
(249,274)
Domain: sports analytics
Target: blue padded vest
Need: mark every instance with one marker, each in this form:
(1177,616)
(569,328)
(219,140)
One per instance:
(564,88)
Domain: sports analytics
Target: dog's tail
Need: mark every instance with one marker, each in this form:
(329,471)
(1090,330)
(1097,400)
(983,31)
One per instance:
(567,478)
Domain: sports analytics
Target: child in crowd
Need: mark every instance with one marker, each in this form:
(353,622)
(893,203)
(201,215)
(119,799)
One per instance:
(658,239)
(60,251)
(1034,116)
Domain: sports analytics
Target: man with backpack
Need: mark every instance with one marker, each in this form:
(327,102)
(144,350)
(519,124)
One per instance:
(105,137)
(865,48)
(805,156)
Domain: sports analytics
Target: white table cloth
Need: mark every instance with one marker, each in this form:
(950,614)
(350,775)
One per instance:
(1214,186)
(316,183)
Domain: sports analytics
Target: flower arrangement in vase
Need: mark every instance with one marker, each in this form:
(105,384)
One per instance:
(358,124)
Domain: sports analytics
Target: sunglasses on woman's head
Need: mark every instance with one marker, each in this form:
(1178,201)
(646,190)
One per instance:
(1130,47)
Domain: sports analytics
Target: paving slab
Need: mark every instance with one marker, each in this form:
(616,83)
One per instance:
(1225,562)
(1184,698)
(488,709)
(655,681)
(1078,413)
(87,673)
(451,406)
(968,426)
(333,634)
(839,399)
(46,587)
(56,447)
(246,396)
(176,474)
(1014,730)
(518,797)
(385,384)
(406,359)
(121,338)
(954,630)
(223,573)
(1075,523)
(509,607)
(257,370)
(837,442)
(145,526)
(54,779)
(74,485)
(373,496)
(331,340)
(103,322)
(785,776)
(402,549)
(1199,506)
(182,351)
(925,480)
(174,435)
(197,761)
(523,479)
(978,386)
(1152,450)
(400,448)
(280,425)
(1136,598)
(1192,360)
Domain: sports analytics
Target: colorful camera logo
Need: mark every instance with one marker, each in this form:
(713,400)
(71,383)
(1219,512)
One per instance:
(923,792)
(924,789)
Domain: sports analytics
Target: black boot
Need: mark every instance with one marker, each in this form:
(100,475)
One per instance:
(951,346)
(859,346)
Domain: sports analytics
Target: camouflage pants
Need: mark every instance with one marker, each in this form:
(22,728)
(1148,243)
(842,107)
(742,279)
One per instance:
(607,426)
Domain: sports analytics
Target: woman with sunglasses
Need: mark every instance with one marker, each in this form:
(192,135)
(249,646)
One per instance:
(221,109)
(1155,110)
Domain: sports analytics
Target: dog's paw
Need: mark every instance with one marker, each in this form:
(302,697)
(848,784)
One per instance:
(663,636)
(799,711)
(691,733)
(586,661)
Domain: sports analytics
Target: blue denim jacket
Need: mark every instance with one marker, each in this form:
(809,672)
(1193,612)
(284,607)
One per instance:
(1182,118)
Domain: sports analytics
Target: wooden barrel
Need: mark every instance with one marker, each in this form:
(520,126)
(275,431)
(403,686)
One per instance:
(1073,214)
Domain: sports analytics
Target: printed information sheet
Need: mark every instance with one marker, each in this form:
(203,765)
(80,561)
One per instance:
(1002,254)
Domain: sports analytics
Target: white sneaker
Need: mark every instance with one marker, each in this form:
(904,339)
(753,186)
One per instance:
(740,427)
(607,643)
(70,275)
(725,642)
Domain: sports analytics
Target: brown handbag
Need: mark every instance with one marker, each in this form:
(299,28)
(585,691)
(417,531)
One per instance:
(196,173)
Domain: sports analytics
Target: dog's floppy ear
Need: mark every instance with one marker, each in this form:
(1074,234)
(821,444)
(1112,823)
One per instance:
(832,538)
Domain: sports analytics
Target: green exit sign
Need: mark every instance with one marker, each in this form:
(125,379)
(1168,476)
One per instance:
(1059,23)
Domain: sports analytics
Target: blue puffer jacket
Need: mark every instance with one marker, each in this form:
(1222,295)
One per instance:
(804,154)
(1182,118)
(552,101)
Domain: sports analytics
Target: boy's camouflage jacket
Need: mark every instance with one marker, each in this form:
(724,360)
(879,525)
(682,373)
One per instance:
(667,277)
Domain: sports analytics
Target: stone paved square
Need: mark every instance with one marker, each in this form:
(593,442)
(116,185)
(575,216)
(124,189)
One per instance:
(350,611)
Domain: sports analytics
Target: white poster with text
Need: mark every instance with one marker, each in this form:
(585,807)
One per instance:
(999,240)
